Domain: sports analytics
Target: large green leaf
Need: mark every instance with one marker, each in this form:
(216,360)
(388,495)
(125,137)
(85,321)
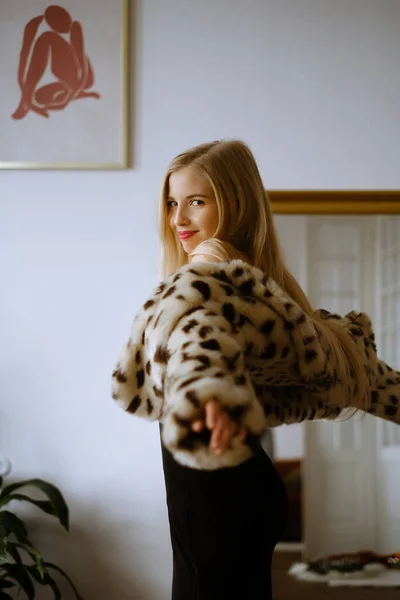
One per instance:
(34,554)
(4,583)
(44,505)
(46,580)
(12,550)
(49,565)
(20,574)
(57,502)
(13,524)
(3,541)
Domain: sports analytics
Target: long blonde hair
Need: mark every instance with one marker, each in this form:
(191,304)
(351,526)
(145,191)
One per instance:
(246,229)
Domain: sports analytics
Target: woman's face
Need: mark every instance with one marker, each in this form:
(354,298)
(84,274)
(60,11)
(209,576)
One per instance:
(192,208)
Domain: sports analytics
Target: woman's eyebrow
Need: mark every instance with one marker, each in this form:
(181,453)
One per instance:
(190,196)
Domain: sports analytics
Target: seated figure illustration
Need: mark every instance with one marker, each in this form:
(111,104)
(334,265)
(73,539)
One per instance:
(64,55)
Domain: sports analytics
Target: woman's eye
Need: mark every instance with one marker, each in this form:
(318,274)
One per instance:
(171,203)
(197,202)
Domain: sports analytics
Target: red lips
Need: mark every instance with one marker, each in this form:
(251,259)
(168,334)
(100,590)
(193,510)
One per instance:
(184,235)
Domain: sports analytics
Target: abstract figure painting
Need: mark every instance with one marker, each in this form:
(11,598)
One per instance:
(69,64)
(65,82)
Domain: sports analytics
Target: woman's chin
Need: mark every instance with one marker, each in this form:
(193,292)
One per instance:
(190,244)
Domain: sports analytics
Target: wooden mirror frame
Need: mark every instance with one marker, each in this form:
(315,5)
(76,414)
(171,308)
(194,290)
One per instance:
(335,202)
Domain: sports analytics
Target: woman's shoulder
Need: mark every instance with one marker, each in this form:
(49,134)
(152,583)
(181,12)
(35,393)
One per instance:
(205,258)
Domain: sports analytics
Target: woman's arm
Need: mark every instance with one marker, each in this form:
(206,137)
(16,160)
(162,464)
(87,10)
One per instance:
(206,363)
(219,332)
(294,405)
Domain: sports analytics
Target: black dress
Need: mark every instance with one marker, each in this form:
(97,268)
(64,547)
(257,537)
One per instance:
(224,527)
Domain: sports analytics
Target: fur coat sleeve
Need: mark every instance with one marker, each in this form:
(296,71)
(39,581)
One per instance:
(227,331)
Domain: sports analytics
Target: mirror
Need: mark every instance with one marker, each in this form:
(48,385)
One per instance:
(350,471)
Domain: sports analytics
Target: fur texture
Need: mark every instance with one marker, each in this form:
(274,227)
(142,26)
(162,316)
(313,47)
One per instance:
(227,331)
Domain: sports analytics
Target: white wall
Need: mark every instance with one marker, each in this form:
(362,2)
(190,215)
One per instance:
(314,87)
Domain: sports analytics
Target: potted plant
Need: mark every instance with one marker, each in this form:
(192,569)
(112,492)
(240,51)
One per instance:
(21,563)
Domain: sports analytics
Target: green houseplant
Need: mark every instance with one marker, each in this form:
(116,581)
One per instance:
(21,563)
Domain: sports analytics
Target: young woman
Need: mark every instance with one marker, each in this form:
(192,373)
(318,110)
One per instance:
(224,523)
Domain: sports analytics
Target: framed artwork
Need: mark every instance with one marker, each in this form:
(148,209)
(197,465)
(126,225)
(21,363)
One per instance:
(64,78)
(335,202)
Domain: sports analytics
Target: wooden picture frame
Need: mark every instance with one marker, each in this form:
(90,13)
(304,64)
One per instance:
(335,202)
(65,81)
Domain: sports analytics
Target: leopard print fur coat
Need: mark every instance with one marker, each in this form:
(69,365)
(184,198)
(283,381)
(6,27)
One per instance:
(227,331)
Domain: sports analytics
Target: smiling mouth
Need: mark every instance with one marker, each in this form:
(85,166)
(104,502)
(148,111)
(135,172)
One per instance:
(184,235)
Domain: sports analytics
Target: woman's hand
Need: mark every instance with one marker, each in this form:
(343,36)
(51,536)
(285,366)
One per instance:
(222,427)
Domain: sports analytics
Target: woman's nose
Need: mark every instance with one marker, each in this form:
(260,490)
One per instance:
(181,218)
